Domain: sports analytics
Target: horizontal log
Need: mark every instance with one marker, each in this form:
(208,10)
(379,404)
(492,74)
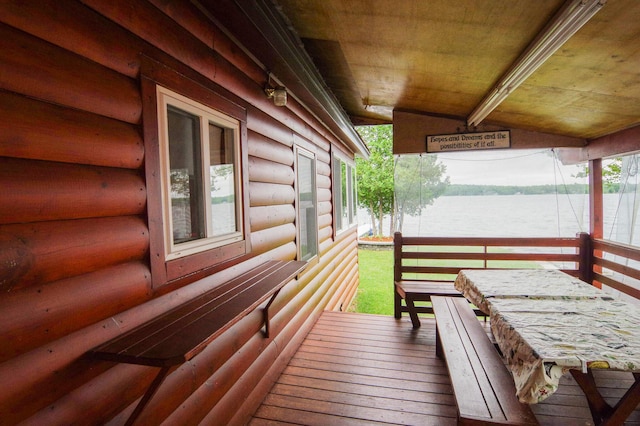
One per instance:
(269,194)
(46,72)
(323,169)
(38,253)
(270,238)
(269,172)
(262,124)
(324,207)
(323,154)
(40,314)
(60,366)
(96,400)
(263,217)
(42,131)
(42,191)
(324,194)
(78,29)
(323,182)
(262,147)
(345,282)
(325,234)
(325,220)
(250,344)
(193,20)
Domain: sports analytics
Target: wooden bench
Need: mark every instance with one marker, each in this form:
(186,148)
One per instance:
(414,290)
(183,332)
(482,385)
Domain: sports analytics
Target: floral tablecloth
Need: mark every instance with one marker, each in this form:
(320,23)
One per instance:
(480,285)
(544,332)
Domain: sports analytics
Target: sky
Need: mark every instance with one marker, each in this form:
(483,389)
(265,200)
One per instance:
(507,167)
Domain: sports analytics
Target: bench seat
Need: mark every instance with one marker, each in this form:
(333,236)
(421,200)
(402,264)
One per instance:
(482,384)
(419,291)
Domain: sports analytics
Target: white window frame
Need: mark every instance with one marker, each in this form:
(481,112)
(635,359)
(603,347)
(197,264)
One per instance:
(351,192)
(310,155)
(207,115)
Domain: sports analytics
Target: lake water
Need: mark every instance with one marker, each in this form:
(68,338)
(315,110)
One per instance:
(506,216)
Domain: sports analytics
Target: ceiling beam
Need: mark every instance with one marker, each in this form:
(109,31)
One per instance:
(620,143)
(569,19)
(410,131)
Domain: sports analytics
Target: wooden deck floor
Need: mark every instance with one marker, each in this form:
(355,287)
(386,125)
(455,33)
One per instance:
(357,369)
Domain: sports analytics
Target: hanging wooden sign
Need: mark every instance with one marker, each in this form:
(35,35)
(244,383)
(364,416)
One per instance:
(469,141)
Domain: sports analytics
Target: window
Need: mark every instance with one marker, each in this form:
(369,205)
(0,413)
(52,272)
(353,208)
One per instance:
(307,212)
(344,193)
(199,151)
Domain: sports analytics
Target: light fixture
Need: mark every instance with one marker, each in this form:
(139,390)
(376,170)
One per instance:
(573,15)
(278,94)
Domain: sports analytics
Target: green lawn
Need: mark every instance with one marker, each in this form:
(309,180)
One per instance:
(375,292)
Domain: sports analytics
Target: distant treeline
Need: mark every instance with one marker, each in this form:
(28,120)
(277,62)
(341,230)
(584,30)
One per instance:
(575,188)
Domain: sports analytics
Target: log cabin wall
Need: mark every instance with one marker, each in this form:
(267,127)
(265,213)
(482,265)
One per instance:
(74,233)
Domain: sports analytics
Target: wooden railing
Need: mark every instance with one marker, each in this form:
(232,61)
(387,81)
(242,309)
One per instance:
(596,261)
(441,258)
(616,265)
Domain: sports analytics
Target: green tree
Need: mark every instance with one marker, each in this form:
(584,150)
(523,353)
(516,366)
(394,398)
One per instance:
(375,175)
(395,187)
(418,182)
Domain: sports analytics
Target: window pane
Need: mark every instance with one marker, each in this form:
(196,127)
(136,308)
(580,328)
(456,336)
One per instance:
(338,194)
(352,198)
(185,169)
(307,207)
(223,180)
(344,195)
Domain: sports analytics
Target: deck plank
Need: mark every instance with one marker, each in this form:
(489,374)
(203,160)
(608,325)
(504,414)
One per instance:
(357,369)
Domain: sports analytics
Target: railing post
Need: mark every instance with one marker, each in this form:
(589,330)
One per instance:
(585,269)
(397,273)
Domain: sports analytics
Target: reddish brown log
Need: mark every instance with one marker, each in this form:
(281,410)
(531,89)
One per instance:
(40,191)
(218,363)
(263,217)
(39,253)
(60,366)
(43,71)
(41,131)
(262,147)
(260,123)
(269,172)
(271,238)
(192,19)
(269,194)
(97,400)
(75,28)
(40,314)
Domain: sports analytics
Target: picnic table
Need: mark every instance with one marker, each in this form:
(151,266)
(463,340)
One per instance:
(548,323)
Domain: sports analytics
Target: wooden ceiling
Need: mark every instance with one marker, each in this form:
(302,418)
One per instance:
(442,57)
